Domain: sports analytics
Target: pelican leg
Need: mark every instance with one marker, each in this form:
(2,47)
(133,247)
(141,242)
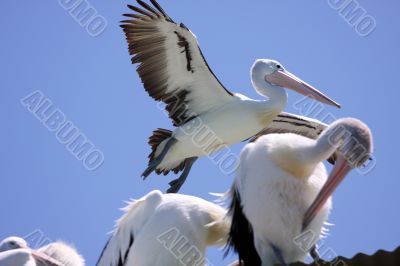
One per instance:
(278,255)
(154,163)
(176,184)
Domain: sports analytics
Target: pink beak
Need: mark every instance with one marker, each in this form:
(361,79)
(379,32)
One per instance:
(286,79)
(339,172)
(44,259)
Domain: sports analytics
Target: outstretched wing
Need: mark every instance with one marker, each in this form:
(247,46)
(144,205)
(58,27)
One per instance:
(296,124)
(171,64)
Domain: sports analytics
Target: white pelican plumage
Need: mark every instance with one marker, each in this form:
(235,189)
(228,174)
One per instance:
(174,71)
(165,230)
(14,251)
(282,188)
(64,253)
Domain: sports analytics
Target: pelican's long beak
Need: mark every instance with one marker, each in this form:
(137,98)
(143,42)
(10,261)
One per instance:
(339,172)
(286,79)
(45,259)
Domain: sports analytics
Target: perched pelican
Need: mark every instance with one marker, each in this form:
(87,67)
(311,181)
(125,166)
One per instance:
(14,251)
(174,71)
(165,230)
(279,178)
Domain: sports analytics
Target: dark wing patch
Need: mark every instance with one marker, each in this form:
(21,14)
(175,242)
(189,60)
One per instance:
(285,123)
(289,123)
(131,238)
(121,257)
(241,238)
(185,45)
(158,136)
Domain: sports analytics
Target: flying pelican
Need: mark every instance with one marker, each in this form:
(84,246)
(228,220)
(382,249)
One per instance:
(285,172)
(165,230)
(14,251)
(174,71)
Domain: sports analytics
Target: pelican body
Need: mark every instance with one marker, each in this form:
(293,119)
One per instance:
(275,192)
(282,189)
(14,251)
(165,230)
(223,123)
(173,70)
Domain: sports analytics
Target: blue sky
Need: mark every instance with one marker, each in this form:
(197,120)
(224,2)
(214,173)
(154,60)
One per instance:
(91,80)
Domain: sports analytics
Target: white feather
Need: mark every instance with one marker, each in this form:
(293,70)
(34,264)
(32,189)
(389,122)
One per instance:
(276,187)
(14,251)
(148,219)
(64,253)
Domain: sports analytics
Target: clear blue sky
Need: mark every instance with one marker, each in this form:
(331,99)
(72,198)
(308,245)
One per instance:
(93,82)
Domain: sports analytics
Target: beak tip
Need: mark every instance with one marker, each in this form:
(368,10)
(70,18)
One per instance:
(335,104)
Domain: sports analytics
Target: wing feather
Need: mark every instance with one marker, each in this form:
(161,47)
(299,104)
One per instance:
(296,124)
(290,123)
(137,213)
(171,64)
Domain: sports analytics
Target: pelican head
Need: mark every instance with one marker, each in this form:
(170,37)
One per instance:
(12,242)
(276,77)
(353,138)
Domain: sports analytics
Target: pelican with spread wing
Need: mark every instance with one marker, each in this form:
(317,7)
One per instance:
(174,71)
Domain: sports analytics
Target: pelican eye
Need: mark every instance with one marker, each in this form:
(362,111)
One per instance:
(278,66)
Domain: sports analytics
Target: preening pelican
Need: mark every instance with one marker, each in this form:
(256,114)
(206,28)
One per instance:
(282,188)
(14,251)
(174,71)
(165,230)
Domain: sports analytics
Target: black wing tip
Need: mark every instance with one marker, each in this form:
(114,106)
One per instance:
(183,26)
(149,11)
(241,238)
(149,8)
(130,6)
(142,11)
(159,8)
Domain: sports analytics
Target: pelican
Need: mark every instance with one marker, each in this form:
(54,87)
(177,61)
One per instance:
(174,71)
(165,230)
(14,251)
(66,254)
(286,174)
